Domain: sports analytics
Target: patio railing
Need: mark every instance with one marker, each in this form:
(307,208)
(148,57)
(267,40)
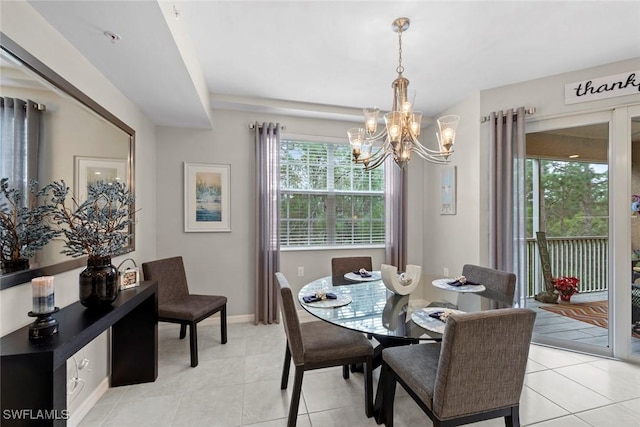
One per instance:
(582,257)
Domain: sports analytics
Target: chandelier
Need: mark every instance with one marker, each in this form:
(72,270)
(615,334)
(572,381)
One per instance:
(402,126)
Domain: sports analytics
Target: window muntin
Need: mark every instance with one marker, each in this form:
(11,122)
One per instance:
(326,200)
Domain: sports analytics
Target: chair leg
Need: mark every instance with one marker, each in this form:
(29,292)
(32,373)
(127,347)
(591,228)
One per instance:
(368,387)
(513,420)
(183,330)
(285,368)
(385,402)
(345,372)
(223,324)
(295,397)
(193,344)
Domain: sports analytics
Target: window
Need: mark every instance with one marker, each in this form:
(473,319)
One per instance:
(326,200)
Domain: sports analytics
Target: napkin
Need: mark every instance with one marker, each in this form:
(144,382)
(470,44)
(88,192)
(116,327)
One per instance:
(437,315)
(362,273)
(313,298)
(459,283)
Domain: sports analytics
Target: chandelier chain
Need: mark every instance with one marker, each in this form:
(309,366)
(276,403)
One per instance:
(400,68)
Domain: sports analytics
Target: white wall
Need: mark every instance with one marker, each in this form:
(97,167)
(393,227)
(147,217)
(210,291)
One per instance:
(452,241)
(21,23)
(223,263)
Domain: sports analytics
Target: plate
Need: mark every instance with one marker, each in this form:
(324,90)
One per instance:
(375,275)
(444,284)
(340,301)
(421,318)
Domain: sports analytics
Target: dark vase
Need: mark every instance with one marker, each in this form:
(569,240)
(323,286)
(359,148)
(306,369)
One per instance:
(98,283)
(13,265)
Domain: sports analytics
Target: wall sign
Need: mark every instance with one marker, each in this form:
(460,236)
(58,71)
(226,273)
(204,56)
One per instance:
(602,87)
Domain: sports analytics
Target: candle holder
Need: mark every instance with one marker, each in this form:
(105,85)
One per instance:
(44,326)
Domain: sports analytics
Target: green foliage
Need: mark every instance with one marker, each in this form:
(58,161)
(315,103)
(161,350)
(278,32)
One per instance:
(24,227)
(575,200)
(97,226)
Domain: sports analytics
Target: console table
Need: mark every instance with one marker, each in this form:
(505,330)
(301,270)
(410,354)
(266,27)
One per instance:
(33,374)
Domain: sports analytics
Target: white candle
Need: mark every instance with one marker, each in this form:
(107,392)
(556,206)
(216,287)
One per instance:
(43,294)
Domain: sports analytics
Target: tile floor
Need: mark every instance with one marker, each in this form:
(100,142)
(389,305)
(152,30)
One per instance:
(238,384)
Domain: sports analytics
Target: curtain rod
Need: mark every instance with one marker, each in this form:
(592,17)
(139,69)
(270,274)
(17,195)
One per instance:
(527,112)
(253,126)
(36,106)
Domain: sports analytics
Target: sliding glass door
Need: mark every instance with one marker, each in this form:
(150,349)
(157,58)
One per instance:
(568,232)
(633,115)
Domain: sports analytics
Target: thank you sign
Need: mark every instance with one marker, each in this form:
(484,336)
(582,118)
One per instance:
(602,87)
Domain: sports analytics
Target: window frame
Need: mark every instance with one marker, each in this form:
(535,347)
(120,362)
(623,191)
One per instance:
(330,193)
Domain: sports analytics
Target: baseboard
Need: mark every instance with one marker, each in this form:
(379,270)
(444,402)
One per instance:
(88,403)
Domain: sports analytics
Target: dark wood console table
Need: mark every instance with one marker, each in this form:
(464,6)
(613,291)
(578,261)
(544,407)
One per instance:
(33,374)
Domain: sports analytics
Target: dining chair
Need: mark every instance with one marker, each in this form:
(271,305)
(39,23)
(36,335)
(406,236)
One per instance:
(475,373)
(318,344)
(177,305)
(500,285)
(343,265)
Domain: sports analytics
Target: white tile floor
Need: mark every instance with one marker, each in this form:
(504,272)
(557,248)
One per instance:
(238,384)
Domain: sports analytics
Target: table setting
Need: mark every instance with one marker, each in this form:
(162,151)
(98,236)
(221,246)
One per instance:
(433,318)
(458,284)
(363,275)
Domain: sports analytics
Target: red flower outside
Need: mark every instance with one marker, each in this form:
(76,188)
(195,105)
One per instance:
(566,285)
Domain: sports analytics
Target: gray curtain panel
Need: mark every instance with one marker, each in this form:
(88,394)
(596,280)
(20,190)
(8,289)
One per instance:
(395,205)
(19,142)
(507,214)
(267,222)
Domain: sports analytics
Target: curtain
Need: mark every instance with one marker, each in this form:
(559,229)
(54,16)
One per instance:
(267,221)
(395,205)
(19,141)
(507,240)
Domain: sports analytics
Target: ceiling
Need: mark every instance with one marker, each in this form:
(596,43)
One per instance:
(176,60)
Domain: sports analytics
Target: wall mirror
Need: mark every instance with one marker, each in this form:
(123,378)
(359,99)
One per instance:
(78,138)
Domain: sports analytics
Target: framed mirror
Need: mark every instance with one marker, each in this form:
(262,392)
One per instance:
(78,139)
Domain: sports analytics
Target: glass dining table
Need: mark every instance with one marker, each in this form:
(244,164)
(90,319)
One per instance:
(367,306)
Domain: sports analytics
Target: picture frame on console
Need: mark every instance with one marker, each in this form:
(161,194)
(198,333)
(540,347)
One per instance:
(207,191)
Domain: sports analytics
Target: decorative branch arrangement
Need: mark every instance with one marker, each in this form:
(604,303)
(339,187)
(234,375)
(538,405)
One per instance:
(98,226)
(25,228)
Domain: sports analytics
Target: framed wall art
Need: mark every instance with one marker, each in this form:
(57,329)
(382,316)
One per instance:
(89,170)
(448,190)
(207,197)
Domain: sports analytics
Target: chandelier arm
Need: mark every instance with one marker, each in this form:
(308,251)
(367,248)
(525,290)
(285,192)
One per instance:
(382,134)
(372,157)
(432,159)
(418,147)
(430,151)
(377,162)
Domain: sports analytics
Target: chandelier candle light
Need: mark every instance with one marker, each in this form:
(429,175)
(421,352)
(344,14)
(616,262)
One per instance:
(400,136)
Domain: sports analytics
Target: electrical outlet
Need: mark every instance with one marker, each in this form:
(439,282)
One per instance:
(445,271)
(300,271)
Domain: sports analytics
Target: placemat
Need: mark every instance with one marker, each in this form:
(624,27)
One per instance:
(340,301)
(421,318)
(375,275)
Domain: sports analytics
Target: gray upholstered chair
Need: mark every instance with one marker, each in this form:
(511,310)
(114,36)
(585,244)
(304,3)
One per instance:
(475,373)
(318,344)
(501,285)
(343,265)
(177,305)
